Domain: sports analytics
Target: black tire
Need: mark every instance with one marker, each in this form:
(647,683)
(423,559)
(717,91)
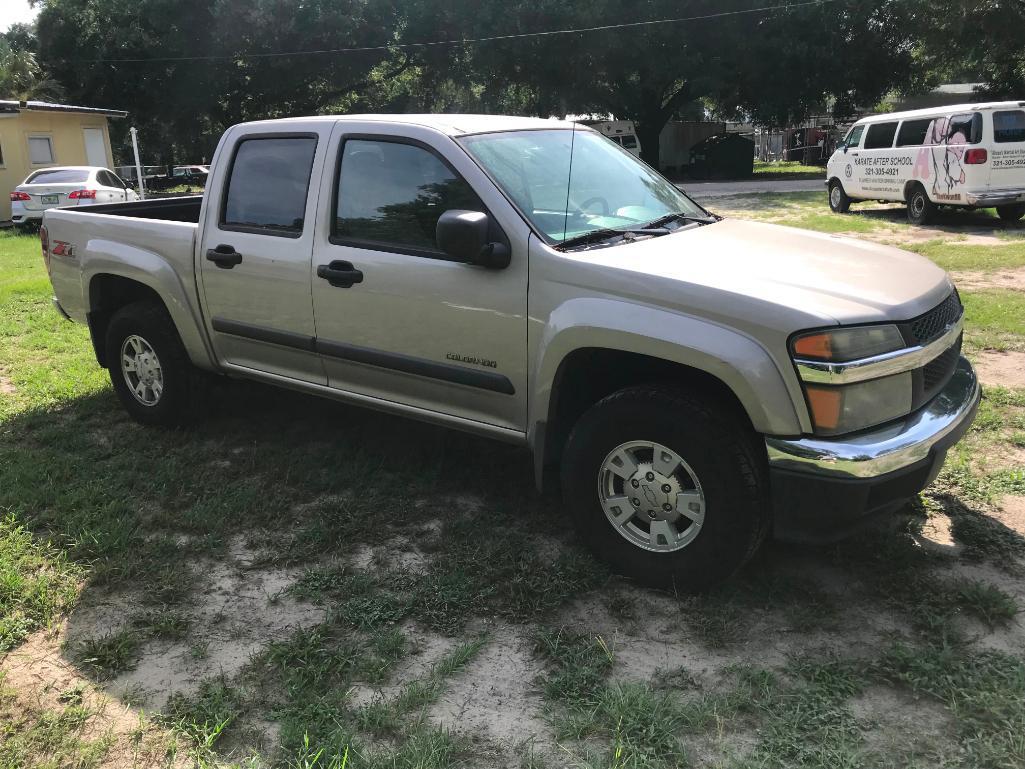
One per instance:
(150,322)
(839,203)
(1012,213)
(921,210)
(731,468)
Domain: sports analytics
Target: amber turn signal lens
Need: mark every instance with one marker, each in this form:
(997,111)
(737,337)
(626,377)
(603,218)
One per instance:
(814,346)
(825,403)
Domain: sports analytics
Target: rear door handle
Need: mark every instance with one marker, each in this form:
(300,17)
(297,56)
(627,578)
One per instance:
(340,274)
(224,256)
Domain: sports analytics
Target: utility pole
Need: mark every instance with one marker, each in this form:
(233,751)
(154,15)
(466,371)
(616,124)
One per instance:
(138,165)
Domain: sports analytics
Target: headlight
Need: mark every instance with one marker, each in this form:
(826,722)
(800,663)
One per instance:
(840,345)
(838,408)
(843,409)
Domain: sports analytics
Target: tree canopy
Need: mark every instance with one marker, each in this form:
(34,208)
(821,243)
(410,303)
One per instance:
(187,69)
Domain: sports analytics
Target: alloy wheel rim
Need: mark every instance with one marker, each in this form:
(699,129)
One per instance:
(651,496)
(834,196)
(141,369)
(917,205)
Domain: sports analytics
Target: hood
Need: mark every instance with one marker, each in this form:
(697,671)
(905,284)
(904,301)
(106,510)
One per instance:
(793,276)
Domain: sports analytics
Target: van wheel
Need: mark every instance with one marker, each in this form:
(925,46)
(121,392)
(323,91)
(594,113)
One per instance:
(839,203)
(1012,213)
(921,210)
(149,368)
(666,487)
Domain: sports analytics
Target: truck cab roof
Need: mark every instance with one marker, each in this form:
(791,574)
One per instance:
(453,125)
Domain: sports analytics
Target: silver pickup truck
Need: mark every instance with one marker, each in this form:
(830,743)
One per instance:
(696,383)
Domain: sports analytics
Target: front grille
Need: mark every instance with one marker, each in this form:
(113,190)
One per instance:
(927,381)
(925,328)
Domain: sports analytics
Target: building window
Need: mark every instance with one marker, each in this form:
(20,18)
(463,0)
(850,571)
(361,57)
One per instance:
(40,150)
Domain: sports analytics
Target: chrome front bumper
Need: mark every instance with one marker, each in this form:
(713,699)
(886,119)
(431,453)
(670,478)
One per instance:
(987,198)
(880,451)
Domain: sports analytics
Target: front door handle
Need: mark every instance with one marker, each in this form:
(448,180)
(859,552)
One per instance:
(340,274)
(224,256)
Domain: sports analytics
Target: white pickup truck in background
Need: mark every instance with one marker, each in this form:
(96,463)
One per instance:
(696,382)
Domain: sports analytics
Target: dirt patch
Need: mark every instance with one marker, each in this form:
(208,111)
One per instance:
(429,650)
(44,682)
(496,695)
(896,723)
(1011,513)
(1001,369)
(7,386)
(977,280)
(235,614)
(936,535)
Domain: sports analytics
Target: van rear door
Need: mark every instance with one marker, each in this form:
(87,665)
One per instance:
(1007,158)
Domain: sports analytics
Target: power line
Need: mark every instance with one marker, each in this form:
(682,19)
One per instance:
(466,41)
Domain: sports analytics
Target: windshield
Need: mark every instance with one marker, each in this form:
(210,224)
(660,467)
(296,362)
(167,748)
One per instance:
(570,183)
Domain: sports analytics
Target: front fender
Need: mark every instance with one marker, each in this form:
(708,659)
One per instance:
(740,362)
(151,269)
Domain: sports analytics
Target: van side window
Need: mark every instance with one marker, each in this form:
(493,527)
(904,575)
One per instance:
(630,142)
(966,129)
(1009,126)
(913,132)
(880,136)
(268,185)
(854,137)
(392,194)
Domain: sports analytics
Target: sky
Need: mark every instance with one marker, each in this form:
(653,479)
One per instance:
(15,12)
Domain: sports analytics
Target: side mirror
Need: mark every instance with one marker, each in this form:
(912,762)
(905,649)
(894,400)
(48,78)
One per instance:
(465,235)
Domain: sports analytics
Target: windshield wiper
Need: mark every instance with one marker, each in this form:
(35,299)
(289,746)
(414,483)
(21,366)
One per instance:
(681,217)
(597,236)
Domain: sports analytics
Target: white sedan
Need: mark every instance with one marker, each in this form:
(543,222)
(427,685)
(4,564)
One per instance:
(66,186)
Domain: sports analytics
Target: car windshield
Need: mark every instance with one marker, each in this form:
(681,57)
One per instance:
(571,183)
(58,176)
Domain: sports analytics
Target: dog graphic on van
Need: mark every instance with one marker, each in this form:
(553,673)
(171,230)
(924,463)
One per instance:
(941,158)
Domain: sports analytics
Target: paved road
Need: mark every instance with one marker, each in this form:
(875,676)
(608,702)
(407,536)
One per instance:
(704,190)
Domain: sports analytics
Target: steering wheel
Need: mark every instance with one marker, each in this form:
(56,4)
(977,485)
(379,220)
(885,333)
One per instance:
(597,199)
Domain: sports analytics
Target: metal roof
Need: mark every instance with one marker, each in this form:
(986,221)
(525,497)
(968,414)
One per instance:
(7,105)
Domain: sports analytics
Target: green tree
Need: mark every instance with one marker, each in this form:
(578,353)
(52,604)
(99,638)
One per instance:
(22,78)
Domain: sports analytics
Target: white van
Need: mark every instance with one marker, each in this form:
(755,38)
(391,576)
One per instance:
(968,155)
(622,132)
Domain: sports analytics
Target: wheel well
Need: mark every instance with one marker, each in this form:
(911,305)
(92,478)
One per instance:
(590,374)
(107,295)
(910,186)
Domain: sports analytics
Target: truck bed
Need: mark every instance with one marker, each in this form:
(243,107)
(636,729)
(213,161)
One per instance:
(180,209)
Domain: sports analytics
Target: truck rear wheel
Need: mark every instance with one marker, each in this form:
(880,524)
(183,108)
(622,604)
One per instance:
(665,487)
(921,210)
(149,368)
(1012,213)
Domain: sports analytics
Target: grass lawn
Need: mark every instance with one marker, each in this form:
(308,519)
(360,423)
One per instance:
(296,583)
(787,169)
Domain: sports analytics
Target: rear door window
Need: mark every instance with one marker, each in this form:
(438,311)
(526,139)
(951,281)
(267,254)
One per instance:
(880,136)
(630,142)
(1009,126)
(965,129)
(268,185)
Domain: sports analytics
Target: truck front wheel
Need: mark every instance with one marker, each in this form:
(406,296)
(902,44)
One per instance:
(667,488)
(149,368)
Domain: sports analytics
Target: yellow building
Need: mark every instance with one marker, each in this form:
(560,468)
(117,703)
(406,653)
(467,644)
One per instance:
(36,134)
